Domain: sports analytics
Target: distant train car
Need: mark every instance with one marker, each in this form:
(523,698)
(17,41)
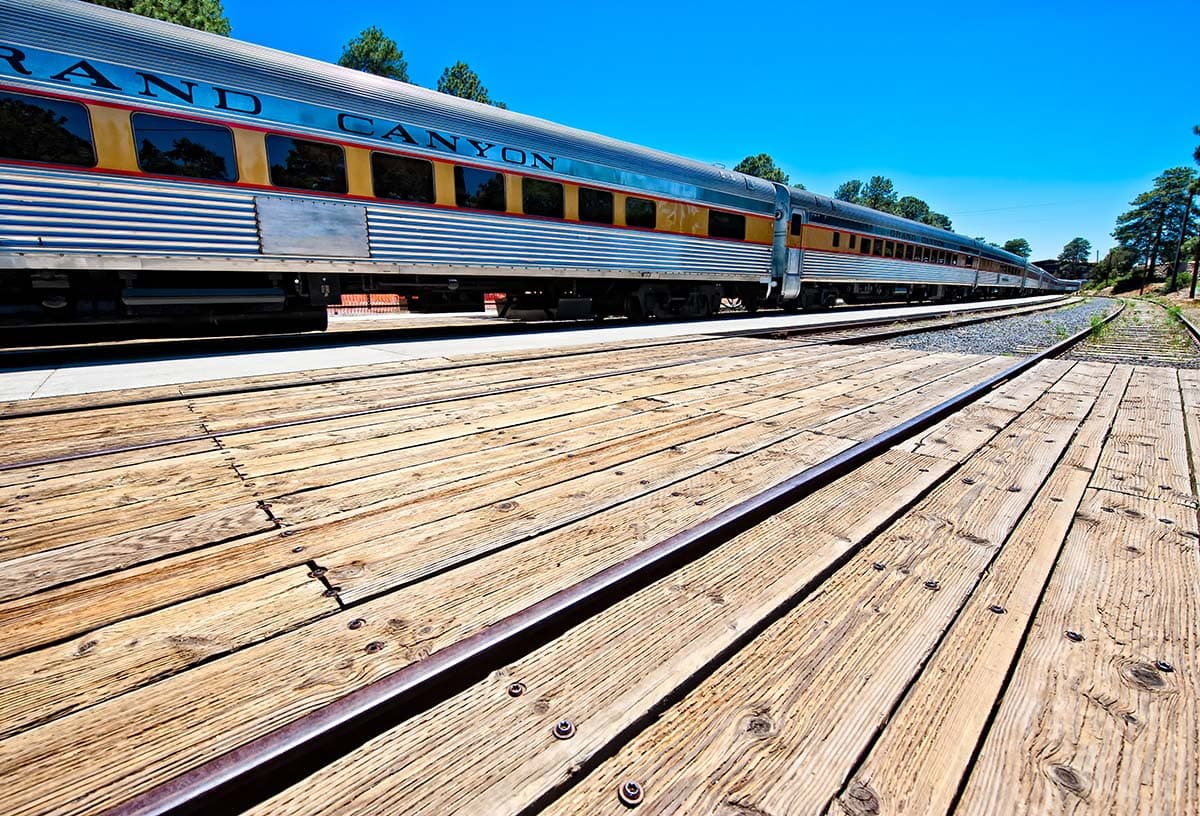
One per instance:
(153,172)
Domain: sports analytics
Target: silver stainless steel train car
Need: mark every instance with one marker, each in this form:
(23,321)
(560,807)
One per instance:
(150,171)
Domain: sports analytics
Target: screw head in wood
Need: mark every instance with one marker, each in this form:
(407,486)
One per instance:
(374,646)
(357,623)
(1072,635)
(516,689)
(564,729)
(877,566)
(1163,666)
(998,609)
(630,793)
(297,549)
(933,586)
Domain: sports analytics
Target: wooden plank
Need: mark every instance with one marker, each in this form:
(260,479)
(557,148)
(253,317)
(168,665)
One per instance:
(777,728)
(39,686)
(918,762)
(64,612)
(593,676)
(386,560)
(1189,387)
(1094,726)
(39,571)
(1148,453)
(94,758)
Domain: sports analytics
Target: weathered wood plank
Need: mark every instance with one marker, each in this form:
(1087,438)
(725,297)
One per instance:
(1094,726)
(1148,453)
(777,728)
(918,762)
(44,684)
(594,676)
(38,571)
(124,745)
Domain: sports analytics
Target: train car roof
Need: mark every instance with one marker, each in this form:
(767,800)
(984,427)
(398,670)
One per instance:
(87,30)
(844,210)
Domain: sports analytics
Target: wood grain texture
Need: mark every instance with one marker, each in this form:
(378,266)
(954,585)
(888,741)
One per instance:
(919,760)
(615,667)
(778,727)
(1094,726)
(1148,454)
(611,670)
(126,744)
(46,683)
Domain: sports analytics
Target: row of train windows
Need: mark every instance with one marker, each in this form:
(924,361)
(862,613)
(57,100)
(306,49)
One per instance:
(898,249)
(57,131)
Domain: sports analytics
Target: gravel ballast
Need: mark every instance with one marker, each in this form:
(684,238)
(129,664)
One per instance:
(1022,334)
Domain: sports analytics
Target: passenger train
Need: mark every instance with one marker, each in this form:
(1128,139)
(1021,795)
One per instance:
(154,172)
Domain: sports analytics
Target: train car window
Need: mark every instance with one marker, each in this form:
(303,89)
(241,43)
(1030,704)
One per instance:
(540,197)
(304,165)
(640,212)
(878,248)
(908,252)
(181,147)
(45,130)
(941,256)
(852,238)
(402,178)
(837,239)
(479,189)
(726,225)
(970,260)
(866,246)
(595,206)
(888,249)
(797,222)
(954,258)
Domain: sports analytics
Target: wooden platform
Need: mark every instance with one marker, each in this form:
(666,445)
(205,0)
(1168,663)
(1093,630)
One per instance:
(179,579)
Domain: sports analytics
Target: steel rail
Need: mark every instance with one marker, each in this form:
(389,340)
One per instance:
(992,312)
(422,403)
(244,774)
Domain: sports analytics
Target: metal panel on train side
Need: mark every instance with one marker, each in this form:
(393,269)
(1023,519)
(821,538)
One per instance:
(440,237)
(312,227)
(59,211)
(843,267)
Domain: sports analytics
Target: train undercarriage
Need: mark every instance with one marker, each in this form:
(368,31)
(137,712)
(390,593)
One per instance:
(50,301)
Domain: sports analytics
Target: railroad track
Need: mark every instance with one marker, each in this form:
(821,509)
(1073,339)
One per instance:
(858,330)
(1145,334)
(514,688)
(284,756)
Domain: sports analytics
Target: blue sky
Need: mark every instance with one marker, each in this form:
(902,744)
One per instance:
(1037,120)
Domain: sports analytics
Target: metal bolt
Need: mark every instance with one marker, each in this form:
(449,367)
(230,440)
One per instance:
(374,646)
(317,572)
(933,585)
(1074,636)
(1163,666)
(1014,489)
(630,793)
(297,549)
(516,689)
(329,593)
(968,481)
(357,623)
(1166,521)
(998,609)
(564,729)
(877,566)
